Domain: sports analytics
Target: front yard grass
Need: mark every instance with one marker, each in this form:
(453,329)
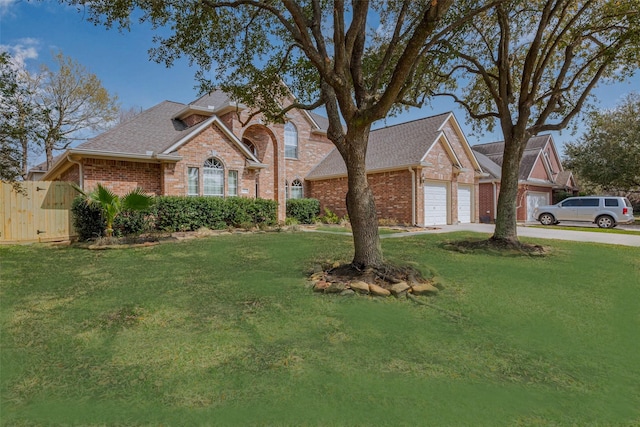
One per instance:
(592,229)
(222,331)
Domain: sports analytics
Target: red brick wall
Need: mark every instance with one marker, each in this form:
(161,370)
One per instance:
(486,200)
(121,176)
(391,190)
(70,175)
(211,142)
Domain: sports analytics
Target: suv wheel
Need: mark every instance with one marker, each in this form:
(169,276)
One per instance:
(605,221)
(547,219)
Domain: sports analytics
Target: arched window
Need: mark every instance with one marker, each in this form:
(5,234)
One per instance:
(250,145)
(213,177)
(296,191)
(290,141)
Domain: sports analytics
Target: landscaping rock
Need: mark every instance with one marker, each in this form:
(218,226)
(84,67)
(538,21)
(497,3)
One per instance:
(320,286)
(347,293)
(424,289)
(399,289)
(335,288)
(360,287)
(379,291)
(317,276)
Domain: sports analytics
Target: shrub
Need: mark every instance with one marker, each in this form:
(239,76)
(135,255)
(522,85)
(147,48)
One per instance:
(130,223)
(330,217)
(191,213)
(304,210)
(87,219)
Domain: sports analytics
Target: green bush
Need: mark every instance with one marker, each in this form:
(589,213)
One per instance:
(330,217)
(175,213)
(87,219)
(130,223)
(303,210)
(90,224)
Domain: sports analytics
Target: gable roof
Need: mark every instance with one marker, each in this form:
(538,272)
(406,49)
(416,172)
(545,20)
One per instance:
(394,147)
(490,156)
(152,130)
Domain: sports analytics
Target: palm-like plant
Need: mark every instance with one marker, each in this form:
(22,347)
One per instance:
(112,204)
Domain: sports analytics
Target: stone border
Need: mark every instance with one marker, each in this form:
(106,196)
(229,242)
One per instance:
(322,284)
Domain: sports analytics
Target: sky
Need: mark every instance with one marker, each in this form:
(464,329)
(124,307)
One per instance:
(33,31)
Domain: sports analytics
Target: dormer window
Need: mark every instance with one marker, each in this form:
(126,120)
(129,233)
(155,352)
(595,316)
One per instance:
(290,141)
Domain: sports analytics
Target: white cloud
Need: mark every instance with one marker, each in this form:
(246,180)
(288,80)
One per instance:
(22,51)
(5,5)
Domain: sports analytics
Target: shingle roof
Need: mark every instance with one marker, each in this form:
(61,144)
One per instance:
(215,98)
(321,121)
(488,165)
(384,152)
(493,152)
(152,130)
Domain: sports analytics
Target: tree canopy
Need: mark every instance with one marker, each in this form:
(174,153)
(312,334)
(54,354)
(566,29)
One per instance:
(18,121)
(608,153)
(529,66)
(360,59)
(71,100)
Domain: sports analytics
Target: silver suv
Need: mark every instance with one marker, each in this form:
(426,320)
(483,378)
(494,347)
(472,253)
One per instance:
(605,211)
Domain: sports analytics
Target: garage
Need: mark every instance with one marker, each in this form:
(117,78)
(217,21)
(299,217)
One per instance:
(436,196)
(464,204)
(535,199)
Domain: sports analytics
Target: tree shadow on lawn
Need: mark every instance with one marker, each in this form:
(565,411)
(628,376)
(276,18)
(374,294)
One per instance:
(496,247)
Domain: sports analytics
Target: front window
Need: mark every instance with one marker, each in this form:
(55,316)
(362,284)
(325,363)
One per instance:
(213,177)
(290,141)
(296,191)
(233,183)
(192,178)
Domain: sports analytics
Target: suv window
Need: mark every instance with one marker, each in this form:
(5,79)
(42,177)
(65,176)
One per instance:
(571,202)
(611,202)
(590,202)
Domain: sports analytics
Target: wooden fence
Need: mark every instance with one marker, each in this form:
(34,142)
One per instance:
(40,213)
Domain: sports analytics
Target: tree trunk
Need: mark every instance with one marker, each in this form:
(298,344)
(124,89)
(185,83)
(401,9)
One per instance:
(360,203)
(48,149)
(506,215)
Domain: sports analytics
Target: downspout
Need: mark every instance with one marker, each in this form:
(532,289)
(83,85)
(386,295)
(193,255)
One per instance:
(413,196)
(495,200)
(80,174)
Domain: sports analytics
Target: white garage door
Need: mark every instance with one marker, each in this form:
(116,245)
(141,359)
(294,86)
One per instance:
(435,204)
(533,201)
(464,204)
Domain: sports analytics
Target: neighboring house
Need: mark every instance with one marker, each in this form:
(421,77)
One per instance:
(200,149)
(422,172)
(541,175)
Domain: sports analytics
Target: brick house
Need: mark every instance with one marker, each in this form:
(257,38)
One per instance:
(200,149)
(540,177)
(421,172)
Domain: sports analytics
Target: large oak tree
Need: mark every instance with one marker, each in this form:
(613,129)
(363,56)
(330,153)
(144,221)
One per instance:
(360,59)
(529,66)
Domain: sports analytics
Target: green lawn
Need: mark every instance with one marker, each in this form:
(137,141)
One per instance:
(346,230)
(592,229)
(222,331)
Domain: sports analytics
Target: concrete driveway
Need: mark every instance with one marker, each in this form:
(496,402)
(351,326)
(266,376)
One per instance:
(537,232)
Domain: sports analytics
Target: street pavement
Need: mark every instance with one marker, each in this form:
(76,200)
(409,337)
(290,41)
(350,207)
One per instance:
(536,232)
